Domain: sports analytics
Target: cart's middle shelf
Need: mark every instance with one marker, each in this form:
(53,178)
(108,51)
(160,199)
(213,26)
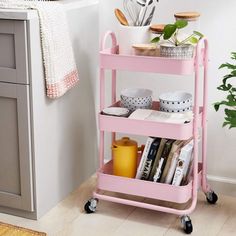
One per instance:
(147,128)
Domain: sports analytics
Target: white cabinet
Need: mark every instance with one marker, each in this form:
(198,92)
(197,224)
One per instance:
(44,148)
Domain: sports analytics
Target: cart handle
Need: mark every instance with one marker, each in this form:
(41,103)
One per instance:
(113,39)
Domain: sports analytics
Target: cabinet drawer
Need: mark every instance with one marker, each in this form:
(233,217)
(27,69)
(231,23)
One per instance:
(16,187)
(13,48)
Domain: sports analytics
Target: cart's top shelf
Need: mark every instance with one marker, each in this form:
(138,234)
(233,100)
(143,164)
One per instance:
(110,59)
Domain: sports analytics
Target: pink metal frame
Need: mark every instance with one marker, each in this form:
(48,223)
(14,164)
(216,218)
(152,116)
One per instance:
(109,59)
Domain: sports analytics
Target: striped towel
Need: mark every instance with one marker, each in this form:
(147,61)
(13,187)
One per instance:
(59,64)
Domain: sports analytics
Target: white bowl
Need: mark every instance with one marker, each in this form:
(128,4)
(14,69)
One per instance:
(134,98)
(175,101)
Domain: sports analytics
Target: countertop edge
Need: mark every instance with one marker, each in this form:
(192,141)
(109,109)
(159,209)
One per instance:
(16,14)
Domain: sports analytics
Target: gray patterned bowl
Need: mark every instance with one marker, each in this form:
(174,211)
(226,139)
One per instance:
(134,98)
(179,52)
(177,101)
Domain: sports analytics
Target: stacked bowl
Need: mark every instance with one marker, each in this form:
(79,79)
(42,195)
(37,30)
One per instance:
(135,98)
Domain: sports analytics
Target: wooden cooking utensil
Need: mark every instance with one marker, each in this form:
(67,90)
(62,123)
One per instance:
(121,17)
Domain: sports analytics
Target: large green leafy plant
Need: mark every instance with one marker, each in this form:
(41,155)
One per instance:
(229,103)
(171,32)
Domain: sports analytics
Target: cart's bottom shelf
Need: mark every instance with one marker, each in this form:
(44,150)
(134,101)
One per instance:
(179,194)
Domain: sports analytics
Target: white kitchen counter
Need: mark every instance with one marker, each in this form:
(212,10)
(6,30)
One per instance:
(55,148)
(16,14)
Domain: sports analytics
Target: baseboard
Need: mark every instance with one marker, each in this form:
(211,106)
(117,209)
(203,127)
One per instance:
(223,185)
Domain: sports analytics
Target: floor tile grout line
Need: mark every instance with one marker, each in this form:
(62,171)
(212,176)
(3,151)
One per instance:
(223,224)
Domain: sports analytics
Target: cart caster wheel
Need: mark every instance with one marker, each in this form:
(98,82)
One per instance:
(91,205)
(211,197)
(187,224)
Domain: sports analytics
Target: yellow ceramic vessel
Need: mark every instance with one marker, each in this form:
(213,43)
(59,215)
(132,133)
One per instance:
(124,152)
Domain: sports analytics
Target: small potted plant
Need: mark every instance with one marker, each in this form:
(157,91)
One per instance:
(175,44)
(229,103)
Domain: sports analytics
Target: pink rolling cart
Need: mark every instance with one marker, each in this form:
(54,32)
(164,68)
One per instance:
(106,181)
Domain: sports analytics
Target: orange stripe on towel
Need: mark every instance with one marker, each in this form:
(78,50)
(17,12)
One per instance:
(58,89)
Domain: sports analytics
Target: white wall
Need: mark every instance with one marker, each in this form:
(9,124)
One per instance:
(217,22)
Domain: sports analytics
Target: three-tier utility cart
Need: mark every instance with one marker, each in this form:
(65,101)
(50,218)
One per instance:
(111,60)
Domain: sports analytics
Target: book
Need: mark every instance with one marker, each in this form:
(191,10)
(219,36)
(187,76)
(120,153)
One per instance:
(172,168)
(189,175)
(175,146)
(174,160)
(183,163)
(157,158)
(144,157)
(162,161)
(150,158)
(159,116)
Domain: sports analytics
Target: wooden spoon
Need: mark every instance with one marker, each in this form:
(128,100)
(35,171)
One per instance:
(121,17)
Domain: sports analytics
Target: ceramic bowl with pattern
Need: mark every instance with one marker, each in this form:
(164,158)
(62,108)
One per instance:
(135,98)
(177,101)
(178,52)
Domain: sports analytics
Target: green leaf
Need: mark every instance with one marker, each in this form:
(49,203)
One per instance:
(193,40)
(181,24)
(229,76)
(233,72)
(223,87)
(233,55)
(230,118)
(230,113)
(225,123)
(198,34)
(155,40)
(169,30)
(232,126)
(228,65)
(228,86)
(226,103)
(216,106)
(231,98)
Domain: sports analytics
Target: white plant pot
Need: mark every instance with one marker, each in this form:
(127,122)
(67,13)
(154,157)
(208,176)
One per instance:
(179,52)
(130,35)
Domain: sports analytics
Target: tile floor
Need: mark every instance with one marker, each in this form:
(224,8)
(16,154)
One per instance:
(68,218)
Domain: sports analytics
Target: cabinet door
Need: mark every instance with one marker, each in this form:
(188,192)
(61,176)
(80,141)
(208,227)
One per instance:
(13,48)
(16,189)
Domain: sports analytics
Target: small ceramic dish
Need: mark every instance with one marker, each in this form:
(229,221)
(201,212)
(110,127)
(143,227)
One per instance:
(116,111)
(134,98)
(175,101)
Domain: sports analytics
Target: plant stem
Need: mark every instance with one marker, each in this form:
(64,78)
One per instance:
(169,40)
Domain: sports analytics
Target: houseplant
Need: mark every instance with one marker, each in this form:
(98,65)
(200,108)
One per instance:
(229,103)
(175,44)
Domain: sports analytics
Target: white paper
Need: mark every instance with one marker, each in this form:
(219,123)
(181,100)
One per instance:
(159,116)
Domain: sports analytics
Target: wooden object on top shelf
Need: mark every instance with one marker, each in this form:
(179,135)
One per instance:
(121,17)
(191,16)
(157,28)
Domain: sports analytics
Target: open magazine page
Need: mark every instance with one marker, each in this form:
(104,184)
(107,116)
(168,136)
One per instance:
(159,116)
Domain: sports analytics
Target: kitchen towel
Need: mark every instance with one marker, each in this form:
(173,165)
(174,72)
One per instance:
(60,69)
